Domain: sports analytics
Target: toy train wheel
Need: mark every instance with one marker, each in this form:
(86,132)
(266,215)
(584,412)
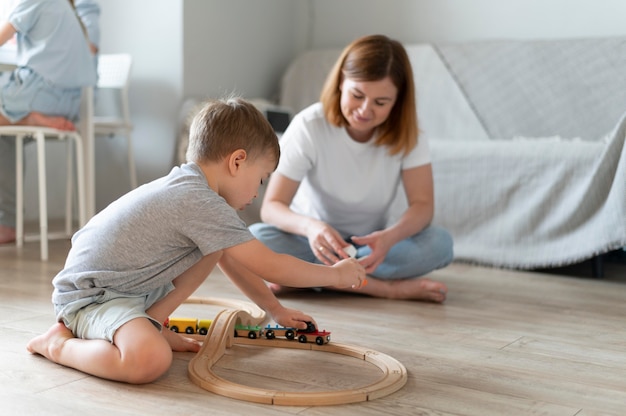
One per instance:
(269,334)
(203,331)
(189,330)
(319,341)
(302,338)
(289,334)
(174,328)
(252,335)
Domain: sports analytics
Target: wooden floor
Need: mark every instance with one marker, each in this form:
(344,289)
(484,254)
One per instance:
(504,343)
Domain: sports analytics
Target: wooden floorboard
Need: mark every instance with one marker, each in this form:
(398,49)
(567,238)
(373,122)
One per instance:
(504,343)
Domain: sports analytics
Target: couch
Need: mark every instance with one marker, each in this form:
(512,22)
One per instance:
(527,143)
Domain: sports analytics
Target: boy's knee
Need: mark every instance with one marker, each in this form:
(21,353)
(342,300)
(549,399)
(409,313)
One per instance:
(150,364)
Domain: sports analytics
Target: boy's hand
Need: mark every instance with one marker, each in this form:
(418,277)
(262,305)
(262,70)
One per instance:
(181,343)
(291,318)
(351,274)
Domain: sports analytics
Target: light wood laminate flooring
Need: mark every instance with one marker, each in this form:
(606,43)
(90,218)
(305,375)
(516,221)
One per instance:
(504,343)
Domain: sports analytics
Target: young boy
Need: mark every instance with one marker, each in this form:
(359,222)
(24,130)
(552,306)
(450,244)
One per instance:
(136,261)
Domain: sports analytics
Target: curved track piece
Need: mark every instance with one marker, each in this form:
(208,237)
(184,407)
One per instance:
(221,336)
(256,314)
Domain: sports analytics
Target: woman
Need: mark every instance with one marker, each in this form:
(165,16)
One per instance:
(352,171)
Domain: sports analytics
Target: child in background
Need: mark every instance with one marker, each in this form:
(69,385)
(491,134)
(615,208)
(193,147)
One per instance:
(54,63)
(137,260)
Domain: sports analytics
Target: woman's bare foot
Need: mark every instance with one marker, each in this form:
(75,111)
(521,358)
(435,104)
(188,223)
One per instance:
(7,234)
(38,119)
(50,343)
(181,343)
(422,289)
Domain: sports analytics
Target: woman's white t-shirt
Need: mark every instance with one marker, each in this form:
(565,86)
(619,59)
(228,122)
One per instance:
(350,185)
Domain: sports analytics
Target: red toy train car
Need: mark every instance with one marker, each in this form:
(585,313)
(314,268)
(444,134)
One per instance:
(311,334)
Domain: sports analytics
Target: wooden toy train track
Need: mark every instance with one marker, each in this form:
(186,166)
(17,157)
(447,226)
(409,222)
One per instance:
(221,336)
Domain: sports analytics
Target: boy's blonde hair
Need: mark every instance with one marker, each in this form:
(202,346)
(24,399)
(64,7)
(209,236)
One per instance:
(225,125)
(372,58)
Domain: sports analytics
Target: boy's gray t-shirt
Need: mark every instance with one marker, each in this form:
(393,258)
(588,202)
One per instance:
(148,237)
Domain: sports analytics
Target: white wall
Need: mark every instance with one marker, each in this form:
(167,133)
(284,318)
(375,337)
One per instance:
(152,31)
(205,48)
(461,20)
(237,46)
(336,23)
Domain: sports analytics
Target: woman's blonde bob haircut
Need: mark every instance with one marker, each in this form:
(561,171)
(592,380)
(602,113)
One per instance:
(372,58)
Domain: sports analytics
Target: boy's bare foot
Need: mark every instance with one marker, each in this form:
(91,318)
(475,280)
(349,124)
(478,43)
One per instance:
(38,119)
(7,234)
(181,343)
(49,344)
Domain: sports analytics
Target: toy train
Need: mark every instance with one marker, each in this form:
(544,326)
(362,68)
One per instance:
(310,334)
(201,326)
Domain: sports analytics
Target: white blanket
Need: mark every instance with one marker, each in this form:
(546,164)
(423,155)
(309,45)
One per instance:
(532,203)
(539,88)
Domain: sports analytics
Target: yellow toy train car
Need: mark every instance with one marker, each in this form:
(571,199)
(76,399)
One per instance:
(189,325)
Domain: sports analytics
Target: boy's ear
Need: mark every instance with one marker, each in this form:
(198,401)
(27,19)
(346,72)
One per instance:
(236,159)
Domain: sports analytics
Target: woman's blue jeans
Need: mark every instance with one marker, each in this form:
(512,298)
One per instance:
(428,250)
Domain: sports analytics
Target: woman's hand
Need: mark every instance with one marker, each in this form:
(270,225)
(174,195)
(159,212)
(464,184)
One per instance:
(326,243)
(380,246)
